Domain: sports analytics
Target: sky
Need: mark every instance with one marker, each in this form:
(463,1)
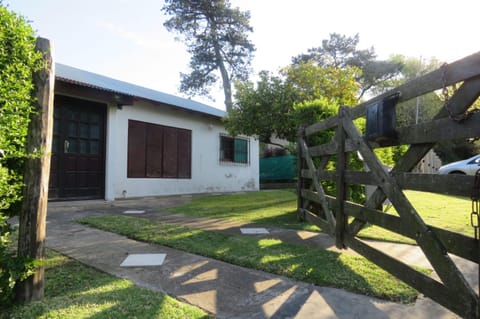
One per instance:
(126,40)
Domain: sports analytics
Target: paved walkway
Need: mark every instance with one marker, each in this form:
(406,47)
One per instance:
(225,290)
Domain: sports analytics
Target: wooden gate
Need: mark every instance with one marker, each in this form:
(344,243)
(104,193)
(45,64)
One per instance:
(344,219)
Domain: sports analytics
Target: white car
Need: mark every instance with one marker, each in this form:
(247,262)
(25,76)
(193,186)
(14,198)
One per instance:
(467,167)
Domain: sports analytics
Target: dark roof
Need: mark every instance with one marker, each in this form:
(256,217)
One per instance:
(84,78)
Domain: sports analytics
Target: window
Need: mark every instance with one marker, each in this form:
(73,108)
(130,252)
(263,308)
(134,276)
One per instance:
(158,151)
(234,150)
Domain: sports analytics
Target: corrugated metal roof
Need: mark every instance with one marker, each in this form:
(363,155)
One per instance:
(89,79)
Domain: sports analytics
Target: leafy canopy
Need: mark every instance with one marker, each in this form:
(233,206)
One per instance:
(425,107)
(312,81)
(337,72)
(268,108)
(216,36)
(341,51)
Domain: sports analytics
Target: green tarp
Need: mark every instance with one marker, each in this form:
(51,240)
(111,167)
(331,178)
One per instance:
(281,168)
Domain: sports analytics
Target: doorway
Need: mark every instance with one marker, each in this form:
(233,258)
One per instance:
(78,150)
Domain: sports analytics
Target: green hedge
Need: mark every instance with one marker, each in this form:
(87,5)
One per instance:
(18,62)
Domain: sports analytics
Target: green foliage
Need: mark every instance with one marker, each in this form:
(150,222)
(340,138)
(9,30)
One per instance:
(337,71)
(428,104)
(267,109)
(217,39)
(451,213)
(456,150)
(413,67)
(273,207)
(425,107)
(270,109)
(279,208)
(12,267)
(340,51)
(316,111)
(312,82)
(73,290)
(18,62)
(308,264)
(263,110)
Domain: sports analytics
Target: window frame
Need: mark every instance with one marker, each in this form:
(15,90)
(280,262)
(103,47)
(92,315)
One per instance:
(167,154)
(235,155)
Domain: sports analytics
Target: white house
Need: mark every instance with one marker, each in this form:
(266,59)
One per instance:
(113,139)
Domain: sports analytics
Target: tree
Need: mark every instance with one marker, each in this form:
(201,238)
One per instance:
(341,51)
(263,109)
(312,81)
(426,106)
(217,39)
(268,109)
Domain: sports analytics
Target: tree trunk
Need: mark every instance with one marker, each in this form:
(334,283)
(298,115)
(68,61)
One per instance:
(227,84)
(32,219)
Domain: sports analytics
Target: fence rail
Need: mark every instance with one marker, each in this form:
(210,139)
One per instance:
(332,213)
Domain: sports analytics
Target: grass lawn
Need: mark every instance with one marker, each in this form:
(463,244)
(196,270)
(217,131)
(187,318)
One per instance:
(448,212)
(299,262)
(74,290)
(274,208)
(278,208)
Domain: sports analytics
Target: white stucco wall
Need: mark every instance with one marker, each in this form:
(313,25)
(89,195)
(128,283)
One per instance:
(208,174)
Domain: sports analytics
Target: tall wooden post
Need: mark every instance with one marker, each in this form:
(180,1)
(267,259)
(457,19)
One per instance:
(300,184)
(32,218)
(341,219)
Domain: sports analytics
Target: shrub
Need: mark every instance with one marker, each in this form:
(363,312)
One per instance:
(318,110)
(18,62)
(12,268)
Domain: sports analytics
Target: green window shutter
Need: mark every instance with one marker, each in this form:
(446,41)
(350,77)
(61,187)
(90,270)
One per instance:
(241,151)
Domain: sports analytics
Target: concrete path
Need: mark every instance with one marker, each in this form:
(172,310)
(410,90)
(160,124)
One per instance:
(225,290)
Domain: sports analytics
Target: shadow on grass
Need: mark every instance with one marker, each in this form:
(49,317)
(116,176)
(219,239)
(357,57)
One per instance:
(287,220)
(74,290)
(67,276)
(232,205)
(312,265)
(272,208)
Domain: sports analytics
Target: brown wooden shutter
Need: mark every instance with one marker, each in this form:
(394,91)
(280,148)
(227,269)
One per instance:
(154,150)
(170,152)
(136,149)
(184,153)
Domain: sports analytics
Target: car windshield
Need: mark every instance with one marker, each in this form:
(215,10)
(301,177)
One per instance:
(475,160)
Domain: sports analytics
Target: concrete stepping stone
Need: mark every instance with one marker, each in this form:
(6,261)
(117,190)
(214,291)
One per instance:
(134,212)
(254,231)
(140,260)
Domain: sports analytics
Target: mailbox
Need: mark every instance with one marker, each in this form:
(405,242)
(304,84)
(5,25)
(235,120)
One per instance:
(381,118)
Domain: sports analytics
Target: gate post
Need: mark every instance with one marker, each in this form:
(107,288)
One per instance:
(300,166)
(341,219)
(32,217)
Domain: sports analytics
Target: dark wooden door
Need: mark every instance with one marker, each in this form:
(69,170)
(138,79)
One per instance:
(78,149)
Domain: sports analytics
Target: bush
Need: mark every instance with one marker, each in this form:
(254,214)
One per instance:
(12,268)
(311,112)
(18,62)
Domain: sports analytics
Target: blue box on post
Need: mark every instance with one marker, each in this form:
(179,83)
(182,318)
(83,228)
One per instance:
(381,118)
